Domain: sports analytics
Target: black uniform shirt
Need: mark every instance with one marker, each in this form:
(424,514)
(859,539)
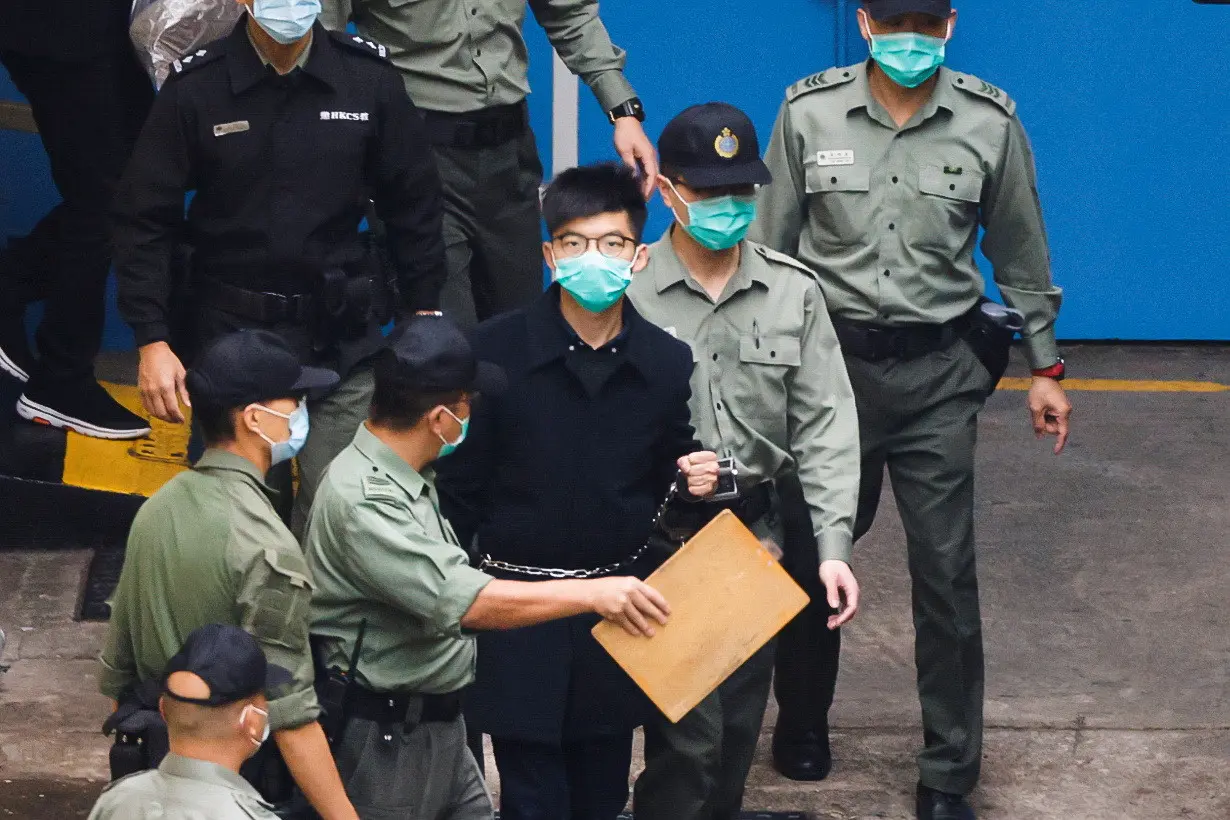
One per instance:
(282,167)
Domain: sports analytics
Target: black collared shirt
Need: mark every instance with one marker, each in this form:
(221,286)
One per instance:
(282,168)
(593,365)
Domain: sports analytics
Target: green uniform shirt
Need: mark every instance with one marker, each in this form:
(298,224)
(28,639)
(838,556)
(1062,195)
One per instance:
(209,548)
(379,549)
(182,789)
(464,55)
(770,386)
(889,217)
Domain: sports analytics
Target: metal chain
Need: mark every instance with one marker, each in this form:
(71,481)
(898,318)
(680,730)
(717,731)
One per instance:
(488,562)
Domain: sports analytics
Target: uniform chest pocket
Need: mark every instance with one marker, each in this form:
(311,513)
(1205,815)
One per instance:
(948,207)
(756,388)
(839,199)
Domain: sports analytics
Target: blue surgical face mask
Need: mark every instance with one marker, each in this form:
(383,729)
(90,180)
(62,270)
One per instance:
(594,280)
(450,447)
(909,59)
(280,451)
(720,222)
(285,20)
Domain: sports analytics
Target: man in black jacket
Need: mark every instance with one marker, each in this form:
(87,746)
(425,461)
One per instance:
(560,476)
(73,62)
(283,131)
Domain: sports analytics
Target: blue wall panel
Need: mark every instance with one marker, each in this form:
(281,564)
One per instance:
(1129,121)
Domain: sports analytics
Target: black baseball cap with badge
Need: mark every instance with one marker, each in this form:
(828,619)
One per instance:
(712,145)
(252,366)
(432,355)
(231,664)
(884,9)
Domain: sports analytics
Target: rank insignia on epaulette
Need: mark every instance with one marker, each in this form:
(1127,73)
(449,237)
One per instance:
(376,47)
(375,487)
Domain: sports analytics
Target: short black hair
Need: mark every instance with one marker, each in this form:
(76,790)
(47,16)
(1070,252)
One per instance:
(397,403)
(216,422)
(590,190)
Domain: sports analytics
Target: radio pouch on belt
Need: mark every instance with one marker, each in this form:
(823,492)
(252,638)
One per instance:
(140,732)
(992,328)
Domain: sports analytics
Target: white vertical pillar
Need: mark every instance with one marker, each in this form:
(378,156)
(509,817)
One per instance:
(565,118)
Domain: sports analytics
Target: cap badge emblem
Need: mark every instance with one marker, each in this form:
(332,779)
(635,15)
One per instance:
(726,144)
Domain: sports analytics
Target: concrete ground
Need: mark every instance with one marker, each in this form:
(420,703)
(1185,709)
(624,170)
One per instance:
(1105,606)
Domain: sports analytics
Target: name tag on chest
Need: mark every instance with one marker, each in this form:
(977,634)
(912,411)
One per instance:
(827,159)
(225,128)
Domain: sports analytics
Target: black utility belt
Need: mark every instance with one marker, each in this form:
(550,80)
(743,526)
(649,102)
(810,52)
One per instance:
(876,343)
(485,128)
(257,306)
(386,708)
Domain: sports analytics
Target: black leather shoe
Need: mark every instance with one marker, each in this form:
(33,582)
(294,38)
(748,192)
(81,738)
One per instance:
(802,756)
(933,805)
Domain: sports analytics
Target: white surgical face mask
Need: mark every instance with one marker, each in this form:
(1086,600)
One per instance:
(243,720)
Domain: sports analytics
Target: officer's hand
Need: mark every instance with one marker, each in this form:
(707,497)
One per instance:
(701,471)
(1050,409)
(160,377)
(842,588)
(629,603)
(637,152)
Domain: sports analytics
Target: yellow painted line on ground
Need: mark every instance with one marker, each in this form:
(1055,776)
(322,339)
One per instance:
(1124,386)
(134,467)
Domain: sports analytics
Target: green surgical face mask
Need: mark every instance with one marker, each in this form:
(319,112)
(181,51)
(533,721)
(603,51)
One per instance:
(720,222)
(909,59)
(450,447)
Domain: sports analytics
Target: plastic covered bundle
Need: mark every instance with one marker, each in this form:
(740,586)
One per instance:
(163,31)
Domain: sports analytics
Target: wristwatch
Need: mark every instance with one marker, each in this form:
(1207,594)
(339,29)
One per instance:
(632,108)
(1057,371)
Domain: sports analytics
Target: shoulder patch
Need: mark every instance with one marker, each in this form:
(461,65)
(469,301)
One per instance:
(829,78)
(783,259)
(196,59)
(375,487)
(361,44)
(981,88)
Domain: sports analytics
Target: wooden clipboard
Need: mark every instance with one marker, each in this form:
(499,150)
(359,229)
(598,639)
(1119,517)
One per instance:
(728,598)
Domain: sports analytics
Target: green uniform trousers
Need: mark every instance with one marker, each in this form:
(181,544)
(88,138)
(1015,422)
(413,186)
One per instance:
(422,772)
(920,419)
(492,228)
(696,769)
(334,420)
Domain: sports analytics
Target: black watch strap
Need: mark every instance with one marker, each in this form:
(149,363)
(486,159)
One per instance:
(631,108)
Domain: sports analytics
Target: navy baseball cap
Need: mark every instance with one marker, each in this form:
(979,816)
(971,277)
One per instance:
(251,366)
(431,354)
(712,145)
(883,9)
(231,663)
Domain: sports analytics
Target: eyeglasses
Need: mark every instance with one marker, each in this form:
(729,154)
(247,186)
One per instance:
(572,245)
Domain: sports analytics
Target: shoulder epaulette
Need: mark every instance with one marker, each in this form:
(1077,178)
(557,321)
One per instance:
(981,88)
(783,259)
(196,59)
(375,487)
(361,44)
(829,78)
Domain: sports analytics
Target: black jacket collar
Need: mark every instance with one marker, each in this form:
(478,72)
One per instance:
(247,69)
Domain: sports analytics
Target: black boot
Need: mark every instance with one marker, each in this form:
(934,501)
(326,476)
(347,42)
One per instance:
(935,805)
(802,756)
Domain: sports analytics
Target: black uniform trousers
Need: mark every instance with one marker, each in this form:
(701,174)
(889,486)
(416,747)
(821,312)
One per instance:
(807,650)
(88,115)
(577,780)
